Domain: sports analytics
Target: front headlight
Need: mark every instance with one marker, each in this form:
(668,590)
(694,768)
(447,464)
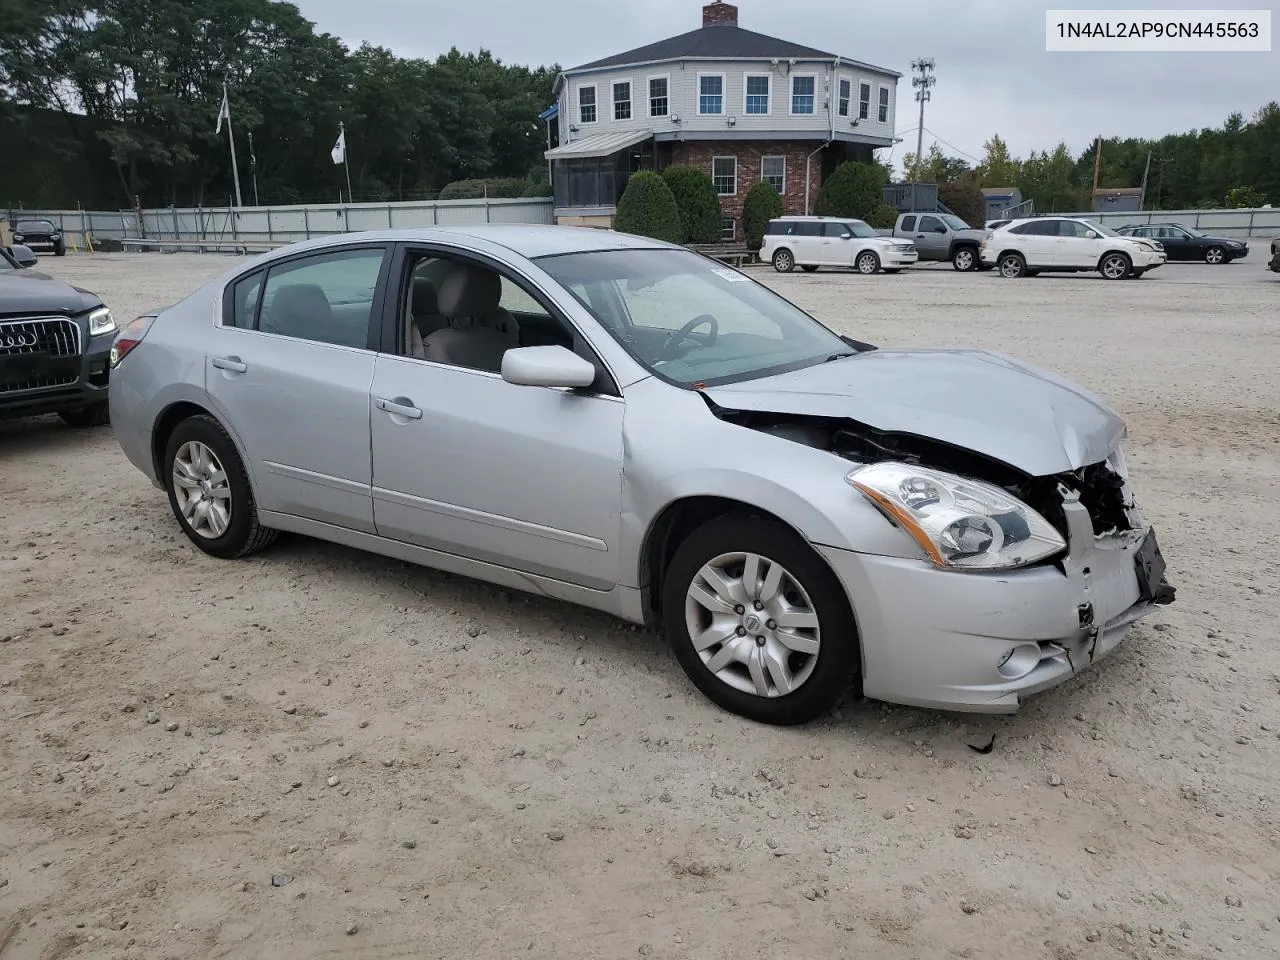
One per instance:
(101,321)
(18,238)
(961,524)
(55,236)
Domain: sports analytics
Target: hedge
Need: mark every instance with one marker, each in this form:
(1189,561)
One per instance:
(762,204)
(497,188)
(648,209)
(697,201)
(853,190)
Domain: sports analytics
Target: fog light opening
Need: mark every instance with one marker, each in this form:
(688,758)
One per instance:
(1019,661)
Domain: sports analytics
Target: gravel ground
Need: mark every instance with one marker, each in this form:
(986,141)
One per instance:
(429,767)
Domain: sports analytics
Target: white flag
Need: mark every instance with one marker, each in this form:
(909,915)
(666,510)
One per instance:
(224,112)
(339,151)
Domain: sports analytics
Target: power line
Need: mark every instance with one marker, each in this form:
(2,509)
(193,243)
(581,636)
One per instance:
(967,156)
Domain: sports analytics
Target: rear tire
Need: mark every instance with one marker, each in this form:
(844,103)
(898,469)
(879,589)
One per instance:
(808,268)
(805,589)
(1012,266)
(94,415)
(784,261)
(225,481)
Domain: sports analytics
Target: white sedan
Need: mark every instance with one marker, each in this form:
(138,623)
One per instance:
(1023,248)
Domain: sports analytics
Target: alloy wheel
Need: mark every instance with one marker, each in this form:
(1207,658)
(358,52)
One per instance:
(1115,267)
(752,624)
(1214,255)
(783,261)
(1011,267)
(202,490)
(963,259)
(868,263)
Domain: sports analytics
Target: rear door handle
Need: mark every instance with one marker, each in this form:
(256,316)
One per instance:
(400,407)
(232,364)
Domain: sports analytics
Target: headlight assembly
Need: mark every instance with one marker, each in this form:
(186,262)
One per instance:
(101,321)
(961,524)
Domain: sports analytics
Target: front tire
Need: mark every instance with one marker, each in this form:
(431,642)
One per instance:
(1115,266)
(1215,256)
(94,415)
(867,263)
(1012,266)
(59,251)
(965,259)
(783,261)
(759,622)
(209,490)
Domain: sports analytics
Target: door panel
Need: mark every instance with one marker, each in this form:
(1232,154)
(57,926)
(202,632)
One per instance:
(524,477)
(931,244)
(1074,248)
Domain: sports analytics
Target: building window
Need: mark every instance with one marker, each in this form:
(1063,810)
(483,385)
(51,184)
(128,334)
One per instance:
(728,229)
(774,170)
(884,105)
(757,95)
(846,94)
(802,89)
(622,100)
(724,173)
(587,104)
(658,97)
(711,93)
(864,101)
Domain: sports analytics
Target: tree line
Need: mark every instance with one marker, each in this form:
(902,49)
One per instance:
(1235,165)
(136,85)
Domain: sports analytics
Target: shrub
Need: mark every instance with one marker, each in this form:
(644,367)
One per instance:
(697,201)
(883,217)
(497,188)
(853,190)
(648,209)
(965,199)
(761,204)
(539,190)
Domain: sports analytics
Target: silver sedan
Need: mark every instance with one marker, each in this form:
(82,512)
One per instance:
(628,425)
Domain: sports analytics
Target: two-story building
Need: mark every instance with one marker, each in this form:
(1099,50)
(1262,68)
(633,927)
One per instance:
(741,105)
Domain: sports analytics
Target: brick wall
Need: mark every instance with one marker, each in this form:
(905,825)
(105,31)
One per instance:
(698,153)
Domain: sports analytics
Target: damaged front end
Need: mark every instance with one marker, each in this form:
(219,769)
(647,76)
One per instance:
(1093,508)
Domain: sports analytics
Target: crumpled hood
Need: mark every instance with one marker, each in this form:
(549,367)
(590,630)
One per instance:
(986,402)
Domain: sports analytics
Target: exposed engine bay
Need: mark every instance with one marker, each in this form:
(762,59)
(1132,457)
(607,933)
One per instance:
(1102,490)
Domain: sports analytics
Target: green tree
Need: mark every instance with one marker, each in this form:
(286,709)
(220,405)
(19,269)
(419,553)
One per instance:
(936,167)
(883,217)
(1238,197)
(998,167)
(761,204)
(965,198)
(853,190)
(648,209)
(697,201)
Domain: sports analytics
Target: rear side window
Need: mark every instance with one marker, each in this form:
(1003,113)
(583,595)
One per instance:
(908,223)
(808,228)
(327,298)
(775,228)
(243,308)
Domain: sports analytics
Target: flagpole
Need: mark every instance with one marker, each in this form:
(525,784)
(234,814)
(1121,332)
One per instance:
(231,143)
(346,165)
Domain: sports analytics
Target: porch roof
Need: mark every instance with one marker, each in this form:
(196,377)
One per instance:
(598,145)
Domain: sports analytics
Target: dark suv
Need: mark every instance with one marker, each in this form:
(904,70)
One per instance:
(54,343)
(40,235)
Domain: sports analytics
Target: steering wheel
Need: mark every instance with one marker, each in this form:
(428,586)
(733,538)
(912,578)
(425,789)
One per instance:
(670,349)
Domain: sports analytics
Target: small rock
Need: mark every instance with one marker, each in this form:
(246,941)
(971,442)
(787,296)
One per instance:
(963,831)
(280,880)
(352,929)
(1064,894)
(1055,780)
(473,630)
(556,835)
(128,708)
(171,726)
(333,781)
(1233,900)
(153,718)
(1093,936)
(409,844)
(362,724)
(291,709)
(888,814)
(579,662)
(967,907)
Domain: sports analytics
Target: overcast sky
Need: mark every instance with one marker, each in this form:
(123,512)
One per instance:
(993,74)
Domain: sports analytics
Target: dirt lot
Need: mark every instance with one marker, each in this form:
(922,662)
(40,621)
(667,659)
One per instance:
(447,770)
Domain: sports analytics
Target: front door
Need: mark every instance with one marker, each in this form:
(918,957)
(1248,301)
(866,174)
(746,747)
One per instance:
(1178,244)
(290,372)
(1075,248)
(932,239)
(837,245)
(469,464)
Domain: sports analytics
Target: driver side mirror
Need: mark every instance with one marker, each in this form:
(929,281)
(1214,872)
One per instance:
(23,255)
(546,366)
(846,236)
(1090,235)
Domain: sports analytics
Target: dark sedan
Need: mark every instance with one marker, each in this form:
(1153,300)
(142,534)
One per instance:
(40,235)
(55,340)
(1188,244)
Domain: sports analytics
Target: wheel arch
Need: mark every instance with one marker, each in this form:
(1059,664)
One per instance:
(1106,253)
(174,414)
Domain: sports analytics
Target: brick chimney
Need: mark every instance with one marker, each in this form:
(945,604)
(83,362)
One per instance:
(719,14)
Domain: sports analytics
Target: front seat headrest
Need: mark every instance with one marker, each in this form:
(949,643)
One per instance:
(469,291)
(424,302)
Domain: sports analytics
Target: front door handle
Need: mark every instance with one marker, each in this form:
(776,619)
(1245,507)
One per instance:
(400,407)
(230,364)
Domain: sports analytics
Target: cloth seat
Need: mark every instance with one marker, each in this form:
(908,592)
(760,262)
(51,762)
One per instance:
(298,310)
(480,331)
(425,317)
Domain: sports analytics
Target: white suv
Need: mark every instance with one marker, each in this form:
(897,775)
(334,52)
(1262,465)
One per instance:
(1023,248)
(813,242)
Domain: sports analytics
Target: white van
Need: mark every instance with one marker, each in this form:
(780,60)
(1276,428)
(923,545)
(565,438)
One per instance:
(813,242)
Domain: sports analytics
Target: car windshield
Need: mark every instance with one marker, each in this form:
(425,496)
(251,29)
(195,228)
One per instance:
(690,320)
(33,226)
(954,222)
(860,229)
(1099,229)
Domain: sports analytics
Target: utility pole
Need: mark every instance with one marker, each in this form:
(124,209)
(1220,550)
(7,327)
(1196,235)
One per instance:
(923,83)
(1097,168)
(253,166)
(1142,198)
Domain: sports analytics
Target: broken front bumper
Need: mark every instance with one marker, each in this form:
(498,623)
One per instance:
(980,642)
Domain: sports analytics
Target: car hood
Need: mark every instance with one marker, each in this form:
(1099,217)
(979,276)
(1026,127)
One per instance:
(985,402)
(30,291)
(978,235)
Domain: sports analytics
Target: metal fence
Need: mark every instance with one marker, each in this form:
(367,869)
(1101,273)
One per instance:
(1260,222)
(273,226)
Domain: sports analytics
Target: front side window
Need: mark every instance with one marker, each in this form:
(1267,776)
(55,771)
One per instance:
(724,173)
(622,100)
(1072,228)
(774,170)
(846,94)
(744,329)
(931,225)
(711,94)
(802,90)
(586,104)
(658,101)
(864,101)
(757,95)
(327,298)
(884,105)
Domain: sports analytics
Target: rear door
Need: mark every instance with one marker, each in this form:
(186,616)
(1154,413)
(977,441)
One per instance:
(806,237)
(290,372)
